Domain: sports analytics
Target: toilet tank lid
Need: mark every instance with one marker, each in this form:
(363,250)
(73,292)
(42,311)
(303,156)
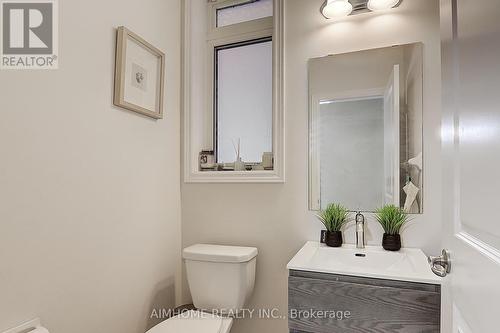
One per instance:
(219,253)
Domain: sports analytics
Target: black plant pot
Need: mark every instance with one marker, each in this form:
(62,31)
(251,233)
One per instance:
(391,242)
(333,238)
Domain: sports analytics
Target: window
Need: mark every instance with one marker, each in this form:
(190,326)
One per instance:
(242,85)
(244,100)
(243,12)
(232,92)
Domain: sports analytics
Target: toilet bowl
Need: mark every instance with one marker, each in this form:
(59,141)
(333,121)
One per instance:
(221,280)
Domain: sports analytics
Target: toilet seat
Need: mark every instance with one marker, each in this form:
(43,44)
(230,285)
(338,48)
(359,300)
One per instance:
(194,322)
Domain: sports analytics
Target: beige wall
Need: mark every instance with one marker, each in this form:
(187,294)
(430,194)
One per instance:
(89,193)
(274,217)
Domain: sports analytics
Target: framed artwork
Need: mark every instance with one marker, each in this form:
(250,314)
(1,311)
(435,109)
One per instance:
(139,75)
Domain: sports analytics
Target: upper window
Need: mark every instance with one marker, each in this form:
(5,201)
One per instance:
(244,12)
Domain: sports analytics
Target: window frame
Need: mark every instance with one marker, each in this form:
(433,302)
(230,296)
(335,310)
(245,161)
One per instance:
(219,36)
(215,32)
(215,97)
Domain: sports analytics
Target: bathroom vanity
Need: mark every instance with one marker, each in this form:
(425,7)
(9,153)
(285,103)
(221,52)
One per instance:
(362,290)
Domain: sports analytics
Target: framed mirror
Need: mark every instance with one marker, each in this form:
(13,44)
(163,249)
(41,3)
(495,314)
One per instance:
(365,129)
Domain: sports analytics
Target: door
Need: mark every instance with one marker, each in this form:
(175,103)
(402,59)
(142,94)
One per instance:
(391,139)
(471,161)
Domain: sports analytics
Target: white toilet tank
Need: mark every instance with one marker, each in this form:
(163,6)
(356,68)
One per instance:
(221,278)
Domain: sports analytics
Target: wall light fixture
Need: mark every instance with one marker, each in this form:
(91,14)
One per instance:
(335,9)
(375,5)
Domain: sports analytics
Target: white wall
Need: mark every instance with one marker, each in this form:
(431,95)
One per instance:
(89,193)
(274,217)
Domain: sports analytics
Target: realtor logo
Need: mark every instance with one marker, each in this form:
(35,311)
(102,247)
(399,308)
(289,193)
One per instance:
(29,34)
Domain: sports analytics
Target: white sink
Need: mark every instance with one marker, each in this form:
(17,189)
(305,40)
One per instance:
(408,264)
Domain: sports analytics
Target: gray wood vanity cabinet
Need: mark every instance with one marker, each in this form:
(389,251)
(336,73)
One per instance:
(330,303)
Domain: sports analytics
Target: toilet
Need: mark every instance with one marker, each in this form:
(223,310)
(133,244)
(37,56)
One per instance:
(221,280)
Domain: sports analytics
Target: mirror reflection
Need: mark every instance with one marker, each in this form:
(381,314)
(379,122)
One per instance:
(366,129)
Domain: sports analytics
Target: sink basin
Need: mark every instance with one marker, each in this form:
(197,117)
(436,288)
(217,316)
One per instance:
(408,264)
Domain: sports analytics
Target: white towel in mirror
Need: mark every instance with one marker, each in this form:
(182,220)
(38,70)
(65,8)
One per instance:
(411,204)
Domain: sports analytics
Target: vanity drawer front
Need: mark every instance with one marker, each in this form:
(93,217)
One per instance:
(374,306)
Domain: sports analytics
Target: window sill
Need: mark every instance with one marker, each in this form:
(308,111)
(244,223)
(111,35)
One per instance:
(234,177)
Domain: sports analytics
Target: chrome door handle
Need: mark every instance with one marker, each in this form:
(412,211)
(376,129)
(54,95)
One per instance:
(441,266)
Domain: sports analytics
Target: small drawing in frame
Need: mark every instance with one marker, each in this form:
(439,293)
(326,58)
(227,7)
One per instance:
(139,75)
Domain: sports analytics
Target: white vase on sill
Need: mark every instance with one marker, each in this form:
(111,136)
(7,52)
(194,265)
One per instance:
(239,165)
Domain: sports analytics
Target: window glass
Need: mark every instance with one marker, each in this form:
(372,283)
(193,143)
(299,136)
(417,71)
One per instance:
(244,12)
(244,100)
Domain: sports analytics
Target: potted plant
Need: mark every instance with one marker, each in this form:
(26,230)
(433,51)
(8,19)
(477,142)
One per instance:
(392,219)
(334,217)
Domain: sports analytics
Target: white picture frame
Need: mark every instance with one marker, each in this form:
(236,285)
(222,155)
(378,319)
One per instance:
(139,75)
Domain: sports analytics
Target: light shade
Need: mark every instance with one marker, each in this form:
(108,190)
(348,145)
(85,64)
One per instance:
(337,9)
(375,5)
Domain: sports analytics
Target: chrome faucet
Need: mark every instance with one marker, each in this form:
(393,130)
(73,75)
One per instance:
(360,231)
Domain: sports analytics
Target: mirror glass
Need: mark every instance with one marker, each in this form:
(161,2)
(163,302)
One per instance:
(365,132)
